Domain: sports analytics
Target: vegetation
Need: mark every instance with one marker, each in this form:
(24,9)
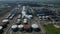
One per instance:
(4,10)
(50,29)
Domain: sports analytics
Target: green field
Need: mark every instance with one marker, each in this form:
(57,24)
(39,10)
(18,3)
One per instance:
(4,10)
(50,29)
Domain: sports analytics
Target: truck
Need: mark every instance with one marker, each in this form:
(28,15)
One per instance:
(20,27)
(25,21)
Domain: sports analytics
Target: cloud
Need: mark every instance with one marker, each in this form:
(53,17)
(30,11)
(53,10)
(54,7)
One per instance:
(35,0)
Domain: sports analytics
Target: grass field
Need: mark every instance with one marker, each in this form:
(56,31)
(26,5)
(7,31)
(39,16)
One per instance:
(50,29)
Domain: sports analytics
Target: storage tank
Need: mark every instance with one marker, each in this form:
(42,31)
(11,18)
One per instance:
(14,27)
(3,25)
(1,29)
(35,27)
(27,27)
(29,16)
(11,17)
(18,21)
(20,27)
(40,17)
(19,16)
(5,21)
(25,21)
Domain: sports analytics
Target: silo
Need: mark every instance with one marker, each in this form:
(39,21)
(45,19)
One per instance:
(35,27)
(5,21)
(14,27)
(27,27)
(18,21)
(1,29)
(25,21)
(20,27)
(3,24)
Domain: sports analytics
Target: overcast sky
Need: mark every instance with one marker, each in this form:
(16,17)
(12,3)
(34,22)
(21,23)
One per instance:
(30,0)
(34,0)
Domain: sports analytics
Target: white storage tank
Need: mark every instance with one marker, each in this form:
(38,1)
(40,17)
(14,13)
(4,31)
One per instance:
(23,13)
(19,16)
(44,17)
(20,27)
(35,27)
(25,21)
(29,16)
(18,21)
(5,21)
(14,27)
(11,17)
(1,29)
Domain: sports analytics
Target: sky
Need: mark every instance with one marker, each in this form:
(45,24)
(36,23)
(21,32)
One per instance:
(35,0)
(29,0)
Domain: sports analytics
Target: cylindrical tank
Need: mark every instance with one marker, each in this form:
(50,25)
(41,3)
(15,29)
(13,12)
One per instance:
(5,21)
(29,16)
(25,21)
(35,27)
(1,29)
(27,27)
(14,27)
(19,16)
(3,24)
(20,27)
(11,17)
(18,21)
